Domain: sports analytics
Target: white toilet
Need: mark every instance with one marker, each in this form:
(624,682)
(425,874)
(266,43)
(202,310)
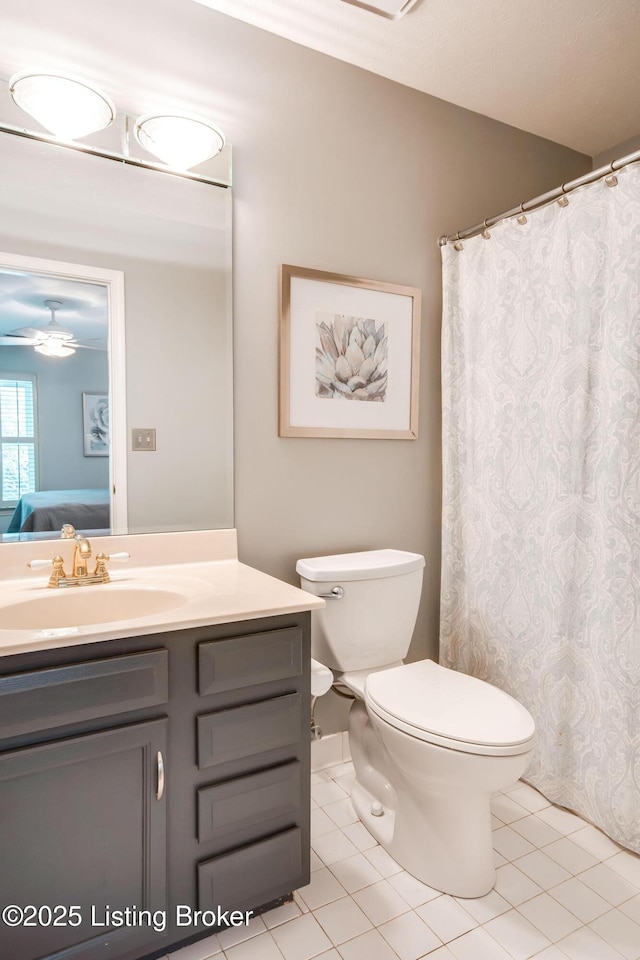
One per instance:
(429,745)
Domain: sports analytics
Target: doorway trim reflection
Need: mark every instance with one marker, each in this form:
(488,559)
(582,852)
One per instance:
(113,280)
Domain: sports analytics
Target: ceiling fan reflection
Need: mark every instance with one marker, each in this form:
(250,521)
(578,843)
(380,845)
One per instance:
(51,340)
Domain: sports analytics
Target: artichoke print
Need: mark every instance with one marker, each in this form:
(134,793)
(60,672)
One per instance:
(351,358)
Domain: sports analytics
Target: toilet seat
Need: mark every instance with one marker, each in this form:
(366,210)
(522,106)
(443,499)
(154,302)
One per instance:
(449,709)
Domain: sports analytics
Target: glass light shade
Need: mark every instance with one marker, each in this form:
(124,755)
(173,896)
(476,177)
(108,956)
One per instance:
(180,142)
(54,348)
(67,107)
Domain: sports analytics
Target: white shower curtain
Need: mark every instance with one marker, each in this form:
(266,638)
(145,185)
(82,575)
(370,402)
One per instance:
(541,502)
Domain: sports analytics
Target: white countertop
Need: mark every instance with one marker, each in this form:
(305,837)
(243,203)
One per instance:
(218,590)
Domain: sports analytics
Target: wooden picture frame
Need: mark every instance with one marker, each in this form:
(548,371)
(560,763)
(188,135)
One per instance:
(349,356)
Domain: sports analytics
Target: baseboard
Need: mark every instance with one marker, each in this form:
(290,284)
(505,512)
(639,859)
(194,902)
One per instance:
(330,751)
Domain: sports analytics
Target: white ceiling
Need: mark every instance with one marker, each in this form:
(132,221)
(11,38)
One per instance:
(567,70)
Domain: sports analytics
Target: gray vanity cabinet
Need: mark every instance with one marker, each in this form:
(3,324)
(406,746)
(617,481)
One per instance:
(153,772)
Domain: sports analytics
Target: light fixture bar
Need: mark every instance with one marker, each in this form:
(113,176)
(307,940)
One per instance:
(123,157)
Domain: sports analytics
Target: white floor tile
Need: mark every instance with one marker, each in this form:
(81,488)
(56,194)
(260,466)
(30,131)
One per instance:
(542,869)
(342,920)
(380,902)
(443,953)
(550,917)
(507,809)
(536,831)
(343,769)
(409,936)
(632,908)
(301,939)
(550,953)
(561,820)
(626,864)
(609,884)
(596,842)
(368,946)
(333,846)
(529,798)
(323,889)
(346,782)
(485,908)
(202,950)
(327,792)
(477,945)
(446,918)
(570,856)
(413,891)
(262,947)
(329,955)
(518,937)
(620,931)
(498,859)
(584,944)
(229,938)
(383,863)
(359,836)
(315,862)
(585,903)
(342,812)
(354,873)
(514,885)
(320,823)
(510,844)
(273,918)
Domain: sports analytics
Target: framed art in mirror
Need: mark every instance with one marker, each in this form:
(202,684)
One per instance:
(349,356)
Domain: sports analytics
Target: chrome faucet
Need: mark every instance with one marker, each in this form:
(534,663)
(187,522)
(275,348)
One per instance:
(79,575)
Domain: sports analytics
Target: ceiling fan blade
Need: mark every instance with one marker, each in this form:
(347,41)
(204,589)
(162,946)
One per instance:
(13,341)
(83,346)
(31,333)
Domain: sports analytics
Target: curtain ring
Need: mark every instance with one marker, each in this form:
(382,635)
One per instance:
(522,218)
(563,201)
(611,180)
(485,232)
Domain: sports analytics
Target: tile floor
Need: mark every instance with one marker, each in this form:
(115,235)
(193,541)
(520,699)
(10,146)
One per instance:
(564,890)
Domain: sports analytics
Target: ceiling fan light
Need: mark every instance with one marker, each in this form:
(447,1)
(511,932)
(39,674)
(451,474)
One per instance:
(64,106)
(179,141)
(54,348)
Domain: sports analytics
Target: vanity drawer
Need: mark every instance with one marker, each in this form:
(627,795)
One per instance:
(254,875)
(255,728)
(252,806)
(76,692)
(245,661)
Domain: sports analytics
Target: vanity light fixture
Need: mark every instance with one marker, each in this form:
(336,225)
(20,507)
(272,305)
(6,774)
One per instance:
(65,106)
(179,141)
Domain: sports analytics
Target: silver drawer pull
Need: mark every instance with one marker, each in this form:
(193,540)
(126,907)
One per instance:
(160,765)
(336,594)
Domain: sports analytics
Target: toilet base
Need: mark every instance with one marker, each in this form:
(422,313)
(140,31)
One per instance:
(436,821)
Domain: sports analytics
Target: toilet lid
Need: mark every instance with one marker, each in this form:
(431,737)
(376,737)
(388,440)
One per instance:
(441,705)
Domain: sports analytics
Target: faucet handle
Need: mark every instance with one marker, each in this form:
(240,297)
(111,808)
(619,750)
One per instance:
(121,557)
(40,564)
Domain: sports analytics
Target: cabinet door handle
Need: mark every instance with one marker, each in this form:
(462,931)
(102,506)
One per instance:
(160,765)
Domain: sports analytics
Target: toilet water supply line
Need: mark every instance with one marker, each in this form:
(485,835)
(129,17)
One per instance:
(337,593)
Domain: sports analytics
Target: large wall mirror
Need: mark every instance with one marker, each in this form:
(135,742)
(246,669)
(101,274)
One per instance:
(134,267)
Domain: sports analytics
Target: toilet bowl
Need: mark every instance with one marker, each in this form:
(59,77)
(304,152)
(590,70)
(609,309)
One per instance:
(429,745)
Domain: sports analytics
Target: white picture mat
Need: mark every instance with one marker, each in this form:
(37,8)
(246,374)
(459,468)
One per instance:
(310,297)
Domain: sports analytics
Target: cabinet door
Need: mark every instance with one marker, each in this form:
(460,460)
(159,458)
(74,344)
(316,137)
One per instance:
(81,825)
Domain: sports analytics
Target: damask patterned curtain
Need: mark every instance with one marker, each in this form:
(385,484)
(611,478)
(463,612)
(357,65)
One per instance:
(541,512)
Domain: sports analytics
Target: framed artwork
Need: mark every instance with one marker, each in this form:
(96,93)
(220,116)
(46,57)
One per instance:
(95,424)
(349,356)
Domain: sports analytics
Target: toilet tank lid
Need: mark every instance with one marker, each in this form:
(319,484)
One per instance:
(367,565)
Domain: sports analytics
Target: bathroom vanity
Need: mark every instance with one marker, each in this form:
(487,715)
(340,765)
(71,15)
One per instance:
(153,764)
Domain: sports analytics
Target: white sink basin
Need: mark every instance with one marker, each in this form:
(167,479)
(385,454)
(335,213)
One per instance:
(85,606)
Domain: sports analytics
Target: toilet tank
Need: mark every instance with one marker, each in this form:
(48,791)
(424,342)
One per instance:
(372,623)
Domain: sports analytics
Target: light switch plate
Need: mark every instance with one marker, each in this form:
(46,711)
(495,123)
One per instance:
(143,438)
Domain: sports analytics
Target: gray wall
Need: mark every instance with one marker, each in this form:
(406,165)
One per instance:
(616,152)
(340,170)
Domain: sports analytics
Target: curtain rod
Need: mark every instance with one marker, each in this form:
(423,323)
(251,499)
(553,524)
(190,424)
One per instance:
(542,200)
